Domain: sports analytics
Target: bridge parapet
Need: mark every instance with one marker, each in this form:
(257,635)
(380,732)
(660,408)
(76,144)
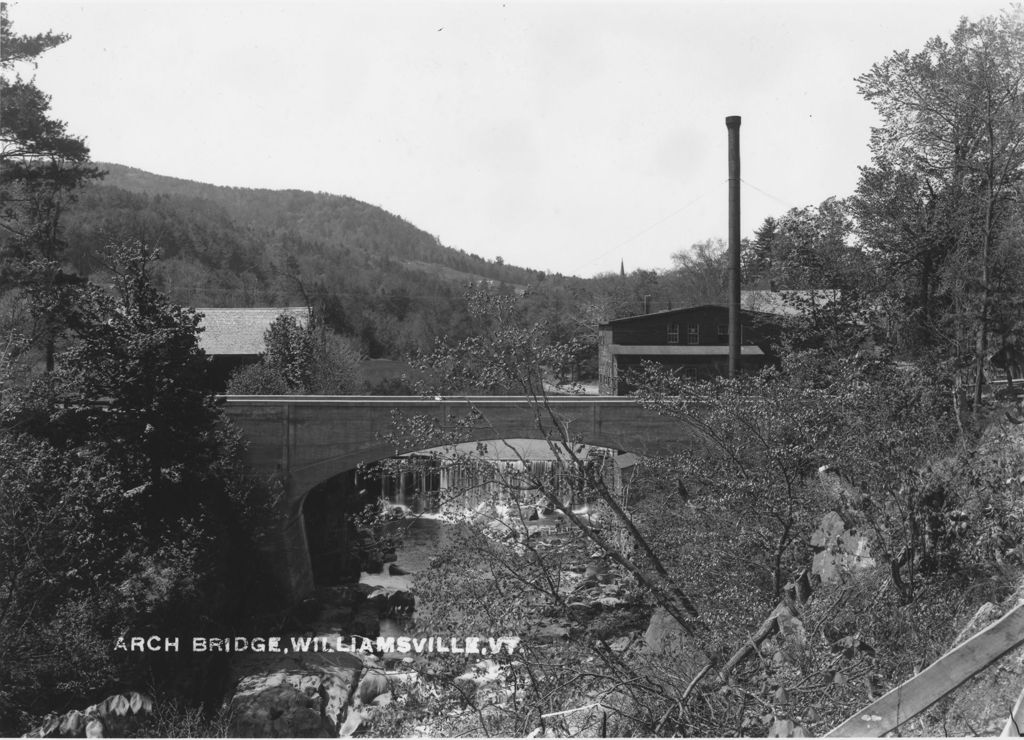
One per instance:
(311,438)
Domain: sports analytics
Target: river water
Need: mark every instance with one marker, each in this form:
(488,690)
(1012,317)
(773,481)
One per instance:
(423,536)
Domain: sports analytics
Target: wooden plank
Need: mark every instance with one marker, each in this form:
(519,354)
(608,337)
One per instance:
(914,696)
(1015,723)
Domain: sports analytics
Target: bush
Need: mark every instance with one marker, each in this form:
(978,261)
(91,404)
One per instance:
(125,508)
(258,379)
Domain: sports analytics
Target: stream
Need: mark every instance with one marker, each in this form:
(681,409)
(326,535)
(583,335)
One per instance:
(423,536)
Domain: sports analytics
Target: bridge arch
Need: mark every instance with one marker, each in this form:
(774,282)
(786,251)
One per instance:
(305,440)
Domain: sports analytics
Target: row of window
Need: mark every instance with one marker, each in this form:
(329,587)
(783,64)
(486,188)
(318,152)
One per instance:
(693,333)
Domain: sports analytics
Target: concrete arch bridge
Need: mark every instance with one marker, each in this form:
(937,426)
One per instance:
(305,440)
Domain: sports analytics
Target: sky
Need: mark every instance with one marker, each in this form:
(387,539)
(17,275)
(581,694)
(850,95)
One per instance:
(563,136)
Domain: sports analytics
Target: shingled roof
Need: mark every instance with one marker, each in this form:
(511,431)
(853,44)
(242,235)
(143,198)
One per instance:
(787,302)
(239,331)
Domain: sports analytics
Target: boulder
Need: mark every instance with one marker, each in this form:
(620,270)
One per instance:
(547,632)
(372,685)
(401,602)
(485,674)
(373,562)
(791,628)
(666,637)
(281,710)
(841,550)
(621,644)
(293,695)
(378,600)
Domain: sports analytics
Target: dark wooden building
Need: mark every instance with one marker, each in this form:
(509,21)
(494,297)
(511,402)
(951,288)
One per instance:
(692,341)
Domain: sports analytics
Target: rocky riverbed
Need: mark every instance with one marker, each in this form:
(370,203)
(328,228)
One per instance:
(319,692)
(310,693)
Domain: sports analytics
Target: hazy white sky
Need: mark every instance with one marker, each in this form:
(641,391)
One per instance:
(562,136)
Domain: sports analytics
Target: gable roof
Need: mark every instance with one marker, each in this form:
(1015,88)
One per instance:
(239,331)
(678,312)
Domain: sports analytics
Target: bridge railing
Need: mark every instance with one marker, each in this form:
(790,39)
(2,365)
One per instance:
(427,400)
(954,668)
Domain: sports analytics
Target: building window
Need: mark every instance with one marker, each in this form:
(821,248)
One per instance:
(723,331)
(690,372)
(673,333)
(693,334)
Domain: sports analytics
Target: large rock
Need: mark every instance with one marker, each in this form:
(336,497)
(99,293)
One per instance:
(667,638)
(401,602)
(372,685)
(596,568)
(484,675)
(378,600)
(279,705)
(292,695)
(841,550)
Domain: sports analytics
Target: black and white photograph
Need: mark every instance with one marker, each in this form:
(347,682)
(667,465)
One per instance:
(511,368)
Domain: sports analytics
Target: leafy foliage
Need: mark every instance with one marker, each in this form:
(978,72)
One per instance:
(761,437)
(301,360)
(806,248)
(126,507)
(944,187)
(880,442)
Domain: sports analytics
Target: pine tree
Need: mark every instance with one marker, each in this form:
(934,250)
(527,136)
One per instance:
(41,168)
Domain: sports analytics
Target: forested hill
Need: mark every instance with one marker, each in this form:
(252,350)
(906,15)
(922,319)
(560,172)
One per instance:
(332,220)
(377,276)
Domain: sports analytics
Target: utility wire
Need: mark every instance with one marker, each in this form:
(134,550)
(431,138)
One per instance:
(786,203)
(643,231)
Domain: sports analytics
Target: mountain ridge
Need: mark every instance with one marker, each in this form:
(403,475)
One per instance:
(371,274)
(255,207)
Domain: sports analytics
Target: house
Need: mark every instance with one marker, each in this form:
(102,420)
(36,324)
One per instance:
(233,337)
(692,341)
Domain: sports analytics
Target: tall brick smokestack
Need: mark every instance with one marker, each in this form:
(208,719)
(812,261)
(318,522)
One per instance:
(733,124)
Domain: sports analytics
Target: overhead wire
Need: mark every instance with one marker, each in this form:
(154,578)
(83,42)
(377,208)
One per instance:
(593,260)
(784,202)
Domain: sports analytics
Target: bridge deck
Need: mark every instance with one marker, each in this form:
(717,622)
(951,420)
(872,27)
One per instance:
(432,400)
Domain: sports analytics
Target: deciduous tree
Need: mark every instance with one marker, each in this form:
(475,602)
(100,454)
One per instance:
(947,164)
(125,505)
